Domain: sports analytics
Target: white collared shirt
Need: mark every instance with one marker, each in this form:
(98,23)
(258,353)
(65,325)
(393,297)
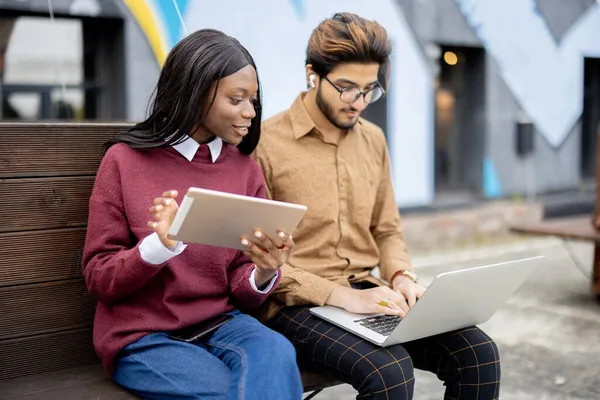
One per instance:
(189,147)
(152,249)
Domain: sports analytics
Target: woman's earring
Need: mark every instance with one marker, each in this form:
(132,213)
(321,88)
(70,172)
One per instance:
(312,80)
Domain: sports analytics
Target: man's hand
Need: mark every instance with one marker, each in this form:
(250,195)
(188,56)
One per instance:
(408,289)
(368,301)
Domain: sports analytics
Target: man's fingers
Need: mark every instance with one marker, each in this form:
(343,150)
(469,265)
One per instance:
(398,297)
(411,297)
(394,305)
(388,311)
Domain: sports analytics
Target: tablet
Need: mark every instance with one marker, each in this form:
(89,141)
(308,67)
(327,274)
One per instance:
(221,219)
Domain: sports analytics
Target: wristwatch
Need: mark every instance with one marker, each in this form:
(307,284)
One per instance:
(409,274)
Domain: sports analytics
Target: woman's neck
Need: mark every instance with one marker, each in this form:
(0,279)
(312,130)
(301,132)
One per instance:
(203,135)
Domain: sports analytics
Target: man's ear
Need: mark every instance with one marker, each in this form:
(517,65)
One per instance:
(310,77)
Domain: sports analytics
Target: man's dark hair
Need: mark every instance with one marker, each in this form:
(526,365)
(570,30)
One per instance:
(349,38)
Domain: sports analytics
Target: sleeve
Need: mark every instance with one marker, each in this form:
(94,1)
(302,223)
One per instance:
(112,263)
(244,294)
(154,252)
(300,288)
(269,286)
(297,286)
(260,156)
(241,270)
(386,225)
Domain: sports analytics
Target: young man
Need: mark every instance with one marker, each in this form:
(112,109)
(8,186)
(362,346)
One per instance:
(322,154)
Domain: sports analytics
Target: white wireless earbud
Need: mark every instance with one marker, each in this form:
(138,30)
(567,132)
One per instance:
(312,80)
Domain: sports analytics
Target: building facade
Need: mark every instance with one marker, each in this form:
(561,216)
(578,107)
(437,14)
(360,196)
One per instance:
(488,99)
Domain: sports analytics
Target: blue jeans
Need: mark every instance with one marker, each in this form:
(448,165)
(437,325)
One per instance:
(243,359)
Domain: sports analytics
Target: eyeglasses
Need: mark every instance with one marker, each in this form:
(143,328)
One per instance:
(352,93)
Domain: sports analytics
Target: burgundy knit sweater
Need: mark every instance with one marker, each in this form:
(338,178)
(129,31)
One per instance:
(137,298)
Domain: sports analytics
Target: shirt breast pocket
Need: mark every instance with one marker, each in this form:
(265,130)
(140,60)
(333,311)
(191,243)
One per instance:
(366,184)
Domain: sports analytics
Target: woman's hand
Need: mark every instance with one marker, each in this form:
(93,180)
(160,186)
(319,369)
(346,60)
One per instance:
(163,212)
(267,257)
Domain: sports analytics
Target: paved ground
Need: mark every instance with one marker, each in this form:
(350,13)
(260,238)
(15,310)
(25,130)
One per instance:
(548,332)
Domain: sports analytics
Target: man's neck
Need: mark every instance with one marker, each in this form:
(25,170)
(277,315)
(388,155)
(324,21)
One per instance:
(330,132)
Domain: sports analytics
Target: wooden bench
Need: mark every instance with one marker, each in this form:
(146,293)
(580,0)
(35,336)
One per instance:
(573,228)
(46,177)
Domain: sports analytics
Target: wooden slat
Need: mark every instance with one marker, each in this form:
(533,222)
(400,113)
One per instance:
(88,382)
(44,203)
(91,382)
(40,256)
(55,149)
(44,353)
(45,307)
(95,390)
(576,228)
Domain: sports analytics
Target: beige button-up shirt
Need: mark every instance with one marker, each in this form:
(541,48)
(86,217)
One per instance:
(352,224)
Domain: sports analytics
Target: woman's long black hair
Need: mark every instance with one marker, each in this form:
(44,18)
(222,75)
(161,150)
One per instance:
(183,88)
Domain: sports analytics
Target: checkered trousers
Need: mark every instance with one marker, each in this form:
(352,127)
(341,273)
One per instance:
(467,361)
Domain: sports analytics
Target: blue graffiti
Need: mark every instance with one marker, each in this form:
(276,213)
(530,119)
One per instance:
(299,8)
(171,19)
(492,187)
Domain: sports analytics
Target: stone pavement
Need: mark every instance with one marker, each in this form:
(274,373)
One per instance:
(548,332)
(476,226)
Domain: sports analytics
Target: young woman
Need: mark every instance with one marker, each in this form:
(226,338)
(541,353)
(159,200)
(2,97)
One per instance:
(155,293)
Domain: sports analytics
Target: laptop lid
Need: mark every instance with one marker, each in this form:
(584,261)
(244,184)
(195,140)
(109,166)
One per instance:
(462,298)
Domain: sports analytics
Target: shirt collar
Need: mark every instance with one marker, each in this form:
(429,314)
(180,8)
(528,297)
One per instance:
(302,123)
(189,147)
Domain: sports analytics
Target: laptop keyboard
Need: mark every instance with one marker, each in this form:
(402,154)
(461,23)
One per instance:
(382,324)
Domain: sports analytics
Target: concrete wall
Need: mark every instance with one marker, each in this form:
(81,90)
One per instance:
(550,169)
(433,22)
(141,69)
(441,22)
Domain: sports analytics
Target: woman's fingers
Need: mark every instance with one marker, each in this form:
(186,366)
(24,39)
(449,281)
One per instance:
(157,208)
(254,252)
(287,240)
(170,193)
(265,241)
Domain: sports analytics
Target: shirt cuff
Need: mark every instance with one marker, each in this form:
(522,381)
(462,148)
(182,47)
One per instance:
(269,286)
(153,251)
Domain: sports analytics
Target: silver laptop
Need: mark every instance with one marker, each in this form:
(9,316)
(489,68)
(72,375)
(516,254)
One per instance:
(454,300)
